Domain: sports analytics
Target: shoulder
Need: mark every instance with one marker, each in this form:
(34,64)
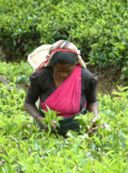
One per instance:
(88,77)
(41,75)
(85,73)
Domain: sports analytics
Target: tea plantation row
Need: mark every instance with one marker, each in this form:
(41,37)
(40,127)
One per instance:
(25,149)
(98,28)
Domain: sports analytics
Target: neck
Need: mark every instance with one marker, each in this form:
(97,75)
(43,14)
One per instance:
(58,80)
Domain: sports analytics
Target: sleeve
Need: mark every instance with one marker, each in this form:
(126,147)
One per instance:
(33,90)
(92,89)
(90,82)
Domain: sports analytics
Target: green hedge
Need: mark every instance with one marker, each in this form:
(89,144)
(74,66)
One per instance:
(98,28)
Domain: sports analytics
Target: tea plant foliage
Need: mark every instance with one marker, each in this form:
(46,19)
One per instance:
(24,148)
(98,28)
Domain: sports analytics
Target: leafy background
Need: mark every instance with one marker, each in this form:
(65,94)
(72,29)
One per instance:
(98,28)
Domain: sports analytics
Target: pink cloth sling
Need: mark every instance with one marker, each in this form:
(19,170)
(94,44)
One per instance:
(66,98)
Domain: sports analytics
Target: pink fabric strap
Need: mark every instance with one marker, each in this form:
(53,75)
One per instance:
(66,98)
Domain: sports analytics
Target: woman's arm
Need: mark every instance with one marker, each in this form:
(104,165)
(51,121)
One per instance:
(33,111)
(91,95)
(93,107)
(32,96)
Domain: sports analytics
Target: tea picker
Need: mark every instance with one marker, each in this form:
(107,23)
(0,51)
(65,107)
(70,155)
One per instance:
(61,82)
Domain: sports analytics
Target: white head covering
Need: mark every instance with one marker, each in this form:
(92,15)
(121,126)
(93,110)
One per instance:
(63,44)
(41,56)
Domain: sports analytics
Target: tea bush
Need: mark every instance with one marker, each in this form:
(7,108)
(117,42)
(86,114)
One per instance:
(24,148)
(16,73)
(98,28)
(18,22)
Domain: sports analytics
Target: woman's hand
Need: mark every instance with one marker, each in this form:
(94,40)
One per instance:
(94,109)
(33,111)
(40,121)
(44,126)
(95,119)
(54,124)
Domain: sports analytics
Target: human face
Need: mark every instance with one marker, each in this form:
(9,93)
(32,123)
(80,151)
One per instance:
(62,71)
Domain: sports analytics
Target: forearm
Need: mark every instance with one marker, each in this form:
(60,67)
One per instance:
(33,111)
(94,109)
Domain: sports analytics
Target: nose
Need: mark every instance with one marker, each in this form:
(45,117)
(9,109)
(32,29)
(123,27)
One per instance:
(63,74)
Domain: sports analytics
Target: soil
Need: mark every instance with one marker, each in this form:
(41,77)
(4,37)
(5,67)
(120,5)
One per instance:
(108,79)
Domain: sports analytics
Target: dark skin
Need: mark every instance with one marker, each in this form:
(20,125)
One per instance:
(61,72)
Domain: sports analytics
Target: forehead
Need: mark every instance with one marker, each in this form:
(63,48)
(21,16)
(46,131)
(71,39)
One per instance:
(63,66)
